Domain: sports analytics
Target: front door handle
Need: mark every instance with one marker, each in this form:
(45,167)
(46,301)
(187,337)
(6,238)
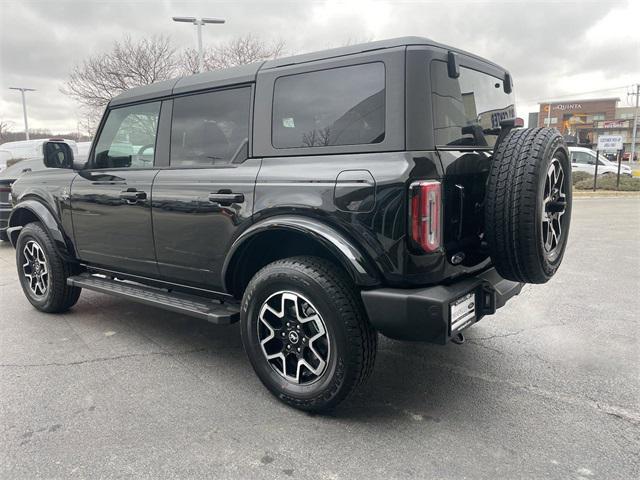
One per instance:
(131,195)
(226,198)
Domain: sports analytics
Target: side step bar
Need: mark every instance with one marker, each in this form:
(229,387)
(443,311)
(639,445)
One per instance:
(207,309)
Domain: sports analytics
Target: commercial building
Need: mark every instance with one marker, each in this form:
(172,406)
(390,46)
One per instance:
(583,121)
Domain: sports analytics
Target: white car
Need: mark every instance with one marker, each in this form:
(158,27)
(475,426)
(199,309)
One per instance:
(4,156)
(584,160)
(25,149)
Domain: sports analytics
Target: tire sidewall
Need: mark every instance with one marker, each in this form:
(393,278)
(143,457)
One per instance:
(268,282)
(27,234)
(555,150)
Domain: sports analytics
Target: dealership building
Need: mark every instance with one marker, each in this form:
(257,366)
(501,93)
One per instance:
(583,121)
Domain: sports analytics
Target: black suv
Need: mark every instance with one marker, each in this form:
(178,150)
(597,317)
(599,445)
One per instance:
(318,199)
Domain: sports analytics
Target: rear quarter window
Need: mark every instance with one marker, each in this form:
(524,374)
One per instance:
(339,106)
(467,110)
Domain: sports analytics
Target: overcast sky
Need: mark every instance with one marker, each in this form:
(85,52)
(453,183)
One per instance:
(553,48)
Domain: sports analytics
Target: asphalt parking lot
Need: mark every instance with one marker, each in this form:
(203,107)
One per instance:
(547,388)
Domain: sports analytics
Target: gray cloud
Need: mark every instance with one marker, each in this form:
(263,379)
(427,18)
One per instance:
(543,43)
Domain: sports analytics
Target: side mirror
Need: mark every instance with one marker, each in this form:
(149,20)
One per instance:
(57,155)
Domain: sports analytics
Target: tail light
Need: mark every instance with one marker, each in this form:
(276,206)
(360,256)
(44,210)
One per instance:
(426,208)
(5,189)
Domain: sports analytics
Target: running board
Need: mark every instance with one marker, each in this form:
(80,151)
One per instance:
(211,310)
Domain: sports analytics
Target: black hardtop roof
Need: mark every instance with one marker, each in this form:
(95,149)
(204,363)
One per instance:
(248,73)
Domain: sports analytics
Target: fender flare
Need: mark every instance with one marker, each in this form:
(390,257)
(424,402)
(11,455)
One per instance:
(48,220)
(360,269)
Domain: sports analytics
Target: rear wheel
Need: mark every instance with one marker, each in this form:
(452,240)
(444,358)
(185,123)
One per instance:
(306,333)
(528,205)
(42,272)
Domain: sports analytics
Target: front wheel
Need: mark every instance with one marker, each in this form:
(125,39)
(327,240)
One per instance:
(43,272)
(306,333)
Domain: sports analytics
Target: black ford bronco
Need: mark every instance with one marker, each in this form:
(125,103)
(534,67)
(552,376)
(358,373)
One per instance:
(318,199)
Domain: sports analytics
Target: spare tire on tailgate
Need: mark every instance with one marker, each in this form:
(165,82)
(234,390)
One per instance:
(528,204)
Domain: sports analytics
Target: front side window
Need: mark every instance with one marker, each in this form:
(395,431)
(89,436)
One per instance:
(128,137)
(210,128)
(340,106)
(583,158)
(467,110)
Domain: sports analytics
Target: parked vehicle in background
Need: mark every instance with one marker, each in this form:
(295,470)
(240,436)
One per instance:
(584,160)
(5,155)
(318,200)
(21,157)
(83,150)
(627,155)
(32,148)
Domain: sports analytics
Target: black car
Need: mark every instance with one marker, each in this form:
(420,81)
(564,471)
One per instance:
(317,199)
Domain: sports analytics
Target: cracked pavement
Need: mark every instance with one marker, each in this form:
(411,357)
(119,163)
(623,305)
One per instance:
(549,387)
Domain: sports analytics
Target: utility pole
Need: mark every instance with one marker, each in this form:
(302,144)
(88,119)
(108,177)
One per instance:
(199,22)
(635,124)
(24,107)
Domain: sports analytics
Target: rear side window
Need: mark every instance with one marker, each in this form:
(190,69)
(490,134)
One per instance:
(467,110)
(128,138)
(340,106)
(210,128)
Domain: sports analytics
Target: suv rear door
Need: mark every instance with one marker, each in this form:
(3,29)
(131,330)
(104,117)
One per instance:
(203,196)
(111,198)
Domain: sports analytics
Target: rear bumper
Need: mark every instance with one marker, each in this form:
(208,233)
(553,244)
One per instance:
(423,314)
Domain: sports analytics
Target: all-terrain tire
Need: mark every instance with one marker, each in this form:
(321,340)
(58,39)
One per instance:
(58,296)
(524,209)
(321,287)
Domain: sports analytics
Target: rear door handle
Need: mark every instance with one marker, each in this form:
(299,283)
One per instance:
(226,198)
(131,195)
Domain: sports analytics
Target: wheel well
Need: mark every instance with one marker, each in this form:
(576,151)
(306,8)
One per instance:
(21,217)
(268,247)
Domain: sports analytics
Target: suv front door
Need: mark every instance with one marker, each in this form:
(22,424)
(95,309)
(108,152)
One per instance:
(111,197)
(203,198)
(583,162)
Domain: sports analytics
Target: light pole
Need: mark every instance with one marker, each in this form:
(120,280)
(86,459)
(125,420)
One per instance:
(24,106)
(635,124)
(199,22)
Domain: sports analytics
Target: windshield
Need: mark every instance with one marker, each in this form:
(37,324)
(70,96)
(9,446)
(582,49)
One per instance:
(468,110)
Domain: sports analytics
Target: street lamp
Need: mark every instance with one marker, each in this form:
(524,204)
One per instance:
(24,106)
(198,22)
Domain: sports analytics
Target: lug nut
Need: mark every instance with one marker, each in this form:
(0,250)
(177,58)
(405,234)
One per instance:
(298,350)
(288,347)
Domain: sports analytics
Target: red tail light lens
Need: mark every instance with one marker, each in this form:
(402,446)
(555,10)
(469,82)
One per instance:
(5,189)
(426,208)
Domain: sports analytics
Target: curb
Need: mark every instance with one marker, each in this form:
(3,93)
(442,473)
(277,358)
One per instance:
(604,194)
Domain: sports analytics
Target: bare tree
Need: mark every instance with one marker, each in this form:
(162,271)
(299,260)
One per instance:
(94,82)
(5,127)
(239,51)
(129,64)
(247,49)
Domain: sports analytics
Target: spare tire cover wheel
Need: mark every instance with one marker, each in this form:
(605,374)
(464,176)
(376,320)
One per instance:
(528,204)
